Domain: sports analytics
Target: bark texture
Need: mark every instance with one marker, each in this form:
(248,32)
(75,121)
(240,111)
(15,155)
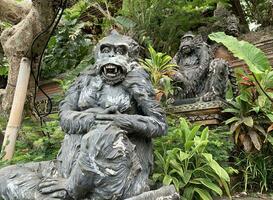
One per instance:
(17,40)
(13,12)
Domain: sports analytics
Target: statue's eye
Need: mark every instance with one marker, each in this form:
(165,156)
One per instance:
(120,50)
(105,49)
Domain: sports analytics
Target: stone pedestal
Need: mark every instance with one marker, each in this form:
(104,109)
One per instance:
(206,113)
(164,193)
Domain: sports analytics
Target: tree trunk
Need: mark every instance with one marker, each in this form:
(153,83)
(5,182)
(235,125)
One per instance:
(13,12)
(17,40)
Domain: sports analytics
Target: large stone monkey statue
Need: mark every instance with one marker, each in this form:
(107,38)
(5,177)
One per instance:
(109,116)
(199,76)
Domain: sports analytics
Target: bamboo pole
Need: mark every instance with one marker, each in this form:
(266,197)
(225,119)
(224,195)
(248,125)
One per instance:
(17,108)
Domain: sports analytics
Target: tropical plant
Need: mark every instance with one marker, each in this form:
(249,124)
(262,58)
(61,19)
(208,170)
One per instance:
(193,171)
(255,170)
(252,109)
(162,22)
(160,68)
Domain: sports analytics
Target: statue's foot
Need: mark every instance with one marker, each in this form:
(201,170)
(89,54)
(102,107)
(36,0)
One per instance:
(209,96)
(54,188)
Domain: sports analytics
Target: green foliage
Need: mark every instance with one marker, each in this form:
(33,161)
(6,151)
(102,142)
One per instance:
(4,67)
(69,45)
(36,143)
(259,11)
(254,57)
(160,68)
(255,169)
(181,159)
(220,145)
(163,22)
(252,109)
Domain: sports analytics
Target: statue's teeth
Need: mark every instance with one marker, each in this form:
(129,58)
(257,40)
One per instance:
(110,67)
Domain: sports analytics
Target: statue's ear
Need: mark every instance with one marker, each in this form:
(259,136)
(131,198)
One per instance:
(134,50)
(198,39)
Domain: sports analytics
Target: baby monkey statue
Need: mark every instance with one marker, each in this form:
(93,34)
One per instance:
(109,116)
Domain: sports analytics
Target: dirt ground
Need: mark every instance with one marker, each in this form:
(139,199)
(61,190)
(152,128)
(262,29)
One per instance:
(243,196)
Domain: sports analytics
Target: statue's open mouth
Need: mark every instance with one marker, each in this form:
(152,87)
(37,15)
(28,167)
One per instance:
(111,70)
(112,73)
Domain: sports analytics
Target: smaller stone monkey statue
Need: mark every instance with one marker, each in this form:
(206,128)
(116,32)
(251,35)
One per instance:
(199,76)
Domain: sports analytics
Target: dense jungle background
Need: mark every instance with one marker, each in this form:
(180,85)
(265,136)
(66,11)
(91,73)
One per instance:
(233,159)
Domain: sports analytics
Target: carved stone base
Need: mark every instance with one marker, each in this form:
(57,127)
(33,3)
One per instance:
(207,113)
(164,193)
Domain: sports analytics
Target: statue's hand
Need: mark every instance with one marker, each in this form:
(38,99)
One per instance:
(178,77)
(54,188)
(128,122)
(111,110)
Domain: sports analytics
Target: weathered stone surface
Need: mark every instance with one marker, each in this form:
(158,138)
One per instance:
(109,116)
(164,193)
(199,76)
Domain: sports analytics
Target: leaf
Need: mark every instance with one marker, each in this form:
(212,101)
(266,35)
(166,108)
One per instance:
(226,186)
(260,129)
(262,100)
(176,183)
(270,139)
(204,195)
(205,134)
(254,57)
(156,176)
(232,119)
(210,185)
(235,126)
(188,193)
(270,116)
(167,180)
(187,176)
(248,121)
(255,138)
(246,141)
(125,22)
(216,167)
(231,110)
(182,156)
(270,128)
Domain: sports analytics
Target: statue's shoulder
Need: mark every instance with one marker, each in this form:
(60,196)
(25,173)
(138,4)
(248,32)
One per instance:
(139,78)
(138,71)
(84,78)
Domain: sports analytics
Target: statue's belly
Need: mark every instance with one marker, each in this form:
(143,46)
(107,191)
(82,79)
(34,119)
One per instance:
(114,96)
(106,97)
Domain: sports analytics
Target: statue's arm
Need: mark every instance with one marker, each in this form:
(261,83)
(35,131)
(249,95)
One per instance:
(204,58)
(72,120)
(151,120)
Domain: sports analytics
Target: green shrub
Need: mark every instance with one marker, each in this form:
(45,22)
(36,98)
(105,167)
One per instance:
(160,68)
(68,47)
(181,159)
(255,170)
(252,118)
(37,143)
